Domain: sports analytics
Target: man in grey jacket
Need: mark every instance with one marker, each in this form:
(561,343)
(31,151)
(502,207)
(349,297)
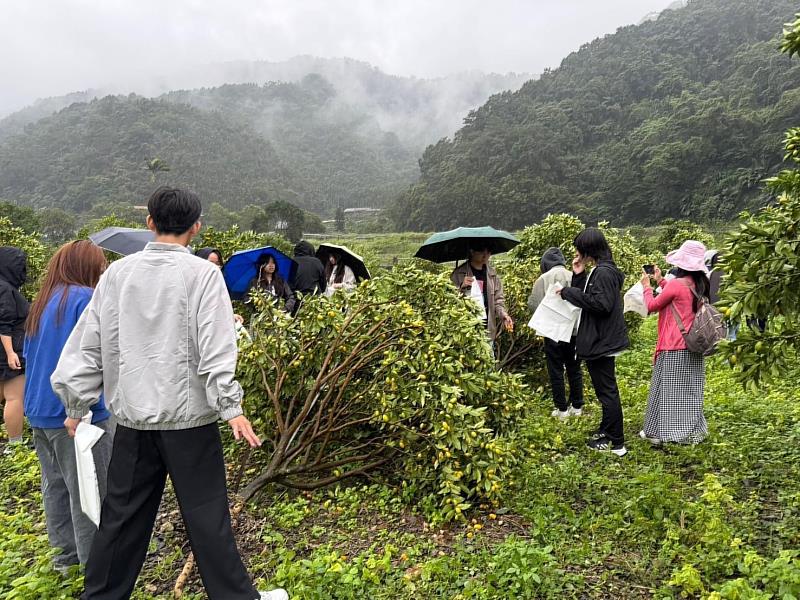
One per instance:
(559,355)
(158,340)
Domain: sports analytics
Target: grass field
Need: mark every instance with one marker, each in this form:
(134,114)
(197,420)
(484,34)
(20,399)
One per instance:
(682,521)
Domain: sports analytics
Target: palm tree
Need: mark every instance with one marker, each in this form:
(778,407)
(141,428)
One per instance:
(155,165)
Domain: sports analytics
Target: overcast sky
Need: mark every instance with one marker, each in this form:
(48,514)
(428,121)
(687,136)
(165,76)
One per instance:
(51,47)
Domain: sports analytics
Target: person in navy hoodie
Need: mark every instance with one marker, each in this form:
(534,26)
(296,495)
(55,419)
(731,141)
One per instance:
(72,273)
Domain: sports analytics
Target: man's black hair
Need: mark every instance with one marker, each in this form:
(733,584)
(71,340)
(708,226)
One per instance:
(591,242)
(174,210)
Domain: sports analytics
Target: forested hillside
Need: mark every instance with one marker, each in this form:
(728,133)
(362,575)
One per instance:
(236,144)
(678,117)
(94,153)
(419,111)
(349,138)
(338,154)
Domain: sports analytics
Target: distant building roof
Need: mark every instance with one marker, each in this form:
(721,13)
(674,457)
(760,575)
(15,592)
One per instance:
(361,210)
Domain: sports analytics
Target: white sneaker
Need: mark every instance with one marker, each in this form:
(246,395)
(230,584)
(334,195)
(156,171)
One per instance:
(276,594)
(561,415)
(575,412)
(652,440)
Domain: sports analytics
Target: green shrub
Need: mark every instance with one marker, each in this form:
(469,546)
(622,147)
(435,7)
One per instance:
(395,378)
(232,240)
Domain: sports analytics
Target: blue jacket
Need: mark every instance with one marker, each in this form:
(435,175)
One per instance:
(42,351)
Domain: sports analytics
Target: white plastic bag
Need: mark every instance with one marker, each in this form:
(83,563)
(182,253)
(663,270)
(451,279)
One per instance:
(86,436)
(555,318)
(477,296)
(633,301)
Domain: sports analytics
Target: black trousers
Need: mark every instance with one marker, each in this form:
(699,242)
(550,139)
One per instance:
(560,356)
(140,463)
(604,381)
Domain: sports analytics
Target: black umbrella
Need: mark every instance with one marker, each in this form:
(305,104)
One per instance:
(349,258)
(122,240)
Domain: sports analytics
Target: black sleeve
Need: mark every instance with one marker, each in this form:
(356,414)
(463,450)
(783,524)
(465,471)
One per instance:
(601,296)
(289,299)
(8,311)
(323,283)
(579,280)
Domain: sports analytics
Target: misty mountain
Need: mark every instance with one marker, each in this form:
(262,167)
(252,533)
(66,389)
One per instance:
(338,153)
(682,116)
(96,152)
(418,111)
(349,137)
(655,15)
(328,153)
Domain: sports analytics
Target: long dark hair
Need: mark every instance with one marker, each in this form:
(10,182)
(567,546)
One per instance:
(702,285)
(77,263)
(339,266)
(592,243)
(204,253)
(277,281)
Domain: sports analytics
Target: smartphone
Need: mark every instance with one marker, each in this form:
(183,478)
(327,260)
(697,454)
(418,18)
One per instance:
(649,269)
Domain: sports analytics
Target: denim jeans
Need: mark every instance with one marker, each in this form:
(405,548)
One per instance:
(67,527)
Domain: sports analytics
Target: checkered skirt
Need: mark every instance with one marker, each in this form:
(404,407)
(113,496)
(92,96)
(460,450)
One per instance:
(675,403)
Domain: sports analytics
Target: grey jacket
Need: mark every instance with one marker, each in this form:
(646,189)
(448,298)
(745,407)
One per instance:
(158,340)
(558,274)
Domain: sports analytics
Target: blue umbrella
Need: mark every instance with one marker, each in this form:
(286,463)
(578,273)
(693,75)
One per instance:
(243,266)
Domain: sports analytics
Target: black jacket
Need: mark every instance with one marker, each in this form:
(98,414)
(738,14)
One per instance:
(279,290)
(602,329)
(310,275)
(13,305)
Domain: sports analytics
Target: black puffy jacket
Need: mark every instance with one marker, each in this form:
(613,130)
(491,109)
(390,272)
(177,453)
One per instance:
(602,329)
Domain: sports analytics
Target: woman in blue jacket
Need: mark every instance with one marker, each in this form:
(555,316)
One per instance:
(72,274)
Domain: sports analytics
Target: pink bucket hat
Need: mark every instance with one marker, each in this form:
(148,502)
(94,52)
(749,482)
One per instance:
(689,257)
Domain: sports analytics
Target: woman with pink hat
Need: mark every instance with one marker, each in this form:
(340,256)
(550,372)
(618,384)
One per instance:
(675,403)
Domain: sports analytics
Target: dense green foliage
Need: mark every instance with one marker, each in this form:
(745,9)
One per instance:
(677,117)
(317,142)
(383,380)
(522,346)
(339,156)
(762,265)
(686,521)
(98,152)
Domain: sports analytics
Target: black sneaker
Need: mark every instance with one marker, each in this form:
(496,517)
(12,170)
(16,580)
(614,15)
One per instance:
(604,444)
(596,435)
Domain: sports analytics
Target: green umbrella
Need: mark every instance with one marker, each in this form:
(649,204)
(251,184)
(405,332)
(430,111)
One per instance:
(455,244)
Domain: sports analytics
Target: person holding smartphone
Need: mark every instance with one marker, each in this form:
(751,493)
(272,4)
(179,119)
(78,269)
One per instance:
(675,400)
(602,333)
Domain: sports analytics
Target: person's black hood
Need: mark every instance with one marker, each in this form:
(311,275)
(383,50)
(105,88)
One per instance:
(204,253)
(552,257)
(610,265)
(303,248)
(13,265)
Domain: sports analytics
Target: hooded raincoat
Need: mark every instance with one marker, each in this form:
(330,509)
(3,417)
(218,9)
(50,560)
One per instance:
(13,306)
(310,275)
